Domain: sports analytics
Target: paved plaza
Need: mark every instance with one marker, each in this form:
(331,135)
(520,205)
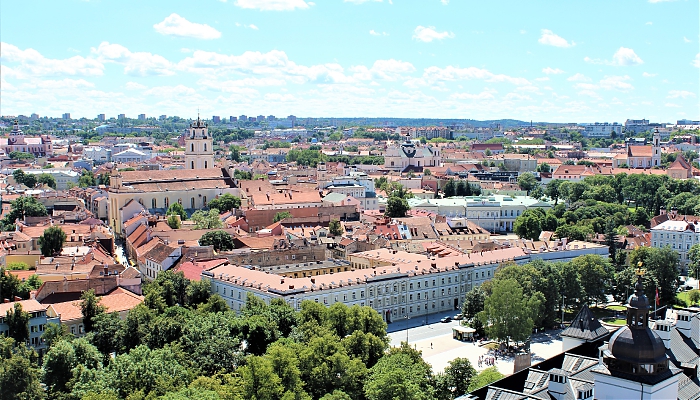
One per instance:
(439,348)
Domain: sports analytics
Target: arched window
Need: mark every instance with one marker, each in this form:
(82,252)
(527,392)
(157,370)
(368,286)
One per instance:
(205,147)
(167,202)
(192,147)
(204,200)
(192,202)
(192,164)
(153,203)
(206,165)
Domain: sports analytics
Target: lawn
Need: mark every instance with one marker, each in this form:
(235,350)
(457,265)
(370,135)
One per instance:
(616,308)
(618,321)
(683,297)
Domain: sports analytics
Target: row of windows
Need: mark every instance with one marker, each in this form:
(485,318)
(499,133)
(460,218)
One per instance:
(166,202)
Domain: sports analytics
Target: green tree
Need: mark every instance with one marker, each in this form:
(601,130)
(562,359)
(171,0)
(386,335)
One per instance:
(87,179)
(225,203)
(206,219)
(552,190)
(177,209)
(401,374)
(18,175)
(458,374)
(450,188)
(17,322)
(662,272)
(507,314)
(427,172)
(484,378)
(259,380)
(279,216)
(396,207)
(694,258)
(334,228)
(90,307)
(544,167)
(47,179)
(51,242)
(173,222)
(473,303)
(595,274)
(21,156)
(23,206)
(694,297)
(55,333)
(19,375)
(528,225)
(220,240)
(527,181)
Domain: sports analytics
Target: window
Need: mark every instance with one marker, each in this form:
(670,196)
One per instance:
(206,164)
(191,164)
(192,202)
(153,203)
(205,147)
(192,149)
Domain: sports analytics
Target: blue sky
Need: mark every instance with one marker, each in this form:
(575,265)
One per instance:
(557,61)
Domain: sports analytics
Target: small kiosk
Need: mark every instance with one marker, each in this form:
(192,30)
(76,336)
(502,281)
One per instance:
(463,333)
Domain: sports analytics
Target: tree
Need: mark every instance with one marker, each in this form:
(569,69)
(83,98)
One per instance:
(400,374)
(173,222)
(427,172)
(457,377)
(595,274)
(552,190)
(281,215)
(334,228)
(694,257)
(396,207)
(485,377)
(206,219)
(24,206)
(19,375)
(55,333)
(51,242)
(235,153)
(18,175)
(662,272)
(694,297)
(90,307)
(48,180)
(507,314)
(19,155)
(450,188)
(17,323)
(473,303)
(527,181)
(87,179)
(544,167)
(259,380)
(220,240)
(177,209)
(29,180)
(528,225)
(225,203)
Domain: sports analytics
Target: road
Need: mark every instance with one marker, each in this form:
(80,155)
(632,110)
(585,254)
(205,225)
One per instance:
(418,330)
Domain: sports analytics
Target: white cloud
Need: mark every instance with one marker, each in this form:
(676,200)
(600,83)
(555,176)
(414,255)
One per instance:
(683,94)
(616,82)
(660,1)
(450,73)
(361,1)
(60,84)
(551,39)
(375,33)
(672,105)
(542,79)
(137,64)
(175,25)
(578,77)
(390,70)
(648,75)
(135,86)
(32,64)
(623,57)
(273,5)
(649,23)
(523,31)
(552,71)
(251,26)
(486,94)
(445,2)
(686,40)
(428,34)
(696,61)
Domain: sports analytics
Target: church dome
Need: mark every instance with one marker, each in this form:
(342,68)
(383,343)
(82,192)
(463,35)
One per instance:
(637,346)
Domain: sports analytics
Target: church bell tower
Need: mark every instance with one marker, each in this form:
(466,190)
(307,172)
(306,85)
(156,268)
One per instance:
(199,149)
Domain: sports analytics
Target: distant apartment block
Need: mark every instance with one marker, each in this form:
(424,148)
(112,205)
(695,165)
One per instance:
(66,116)
(232,119)
(101,117)
(270,117)
(602,129)
(293,119)
(34,117)
(243,118)
(252,119)
(163,117)
(216,119)
(635,126)
(142,117)
(121,116)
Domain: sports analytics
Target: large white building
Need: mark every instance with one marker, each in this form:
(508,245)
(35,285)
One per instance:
(602,129)
(411,155)
(680,236)
(412,286)
(495,213)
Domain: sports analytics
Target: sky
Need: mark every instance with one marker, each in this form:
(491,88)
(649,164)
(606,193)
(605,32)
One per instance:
(554,61)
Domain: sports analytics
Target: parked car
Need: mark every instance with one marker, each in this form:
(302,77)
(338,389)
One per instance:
(458,317)
(446,319)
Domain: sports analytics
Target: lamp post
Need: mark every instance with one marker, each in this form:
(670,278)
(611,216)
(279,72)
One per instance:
(406,317)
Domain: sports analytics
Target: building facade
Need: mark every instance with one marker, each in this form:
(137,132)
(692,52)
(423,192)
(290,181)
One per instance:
(199,147)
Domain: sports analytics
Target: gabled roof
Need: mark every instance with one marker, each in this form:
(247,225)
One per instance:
(585,326)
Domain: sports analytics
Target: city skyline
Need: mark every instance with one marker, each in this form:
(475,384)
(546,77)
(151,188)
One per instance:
(435,59)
